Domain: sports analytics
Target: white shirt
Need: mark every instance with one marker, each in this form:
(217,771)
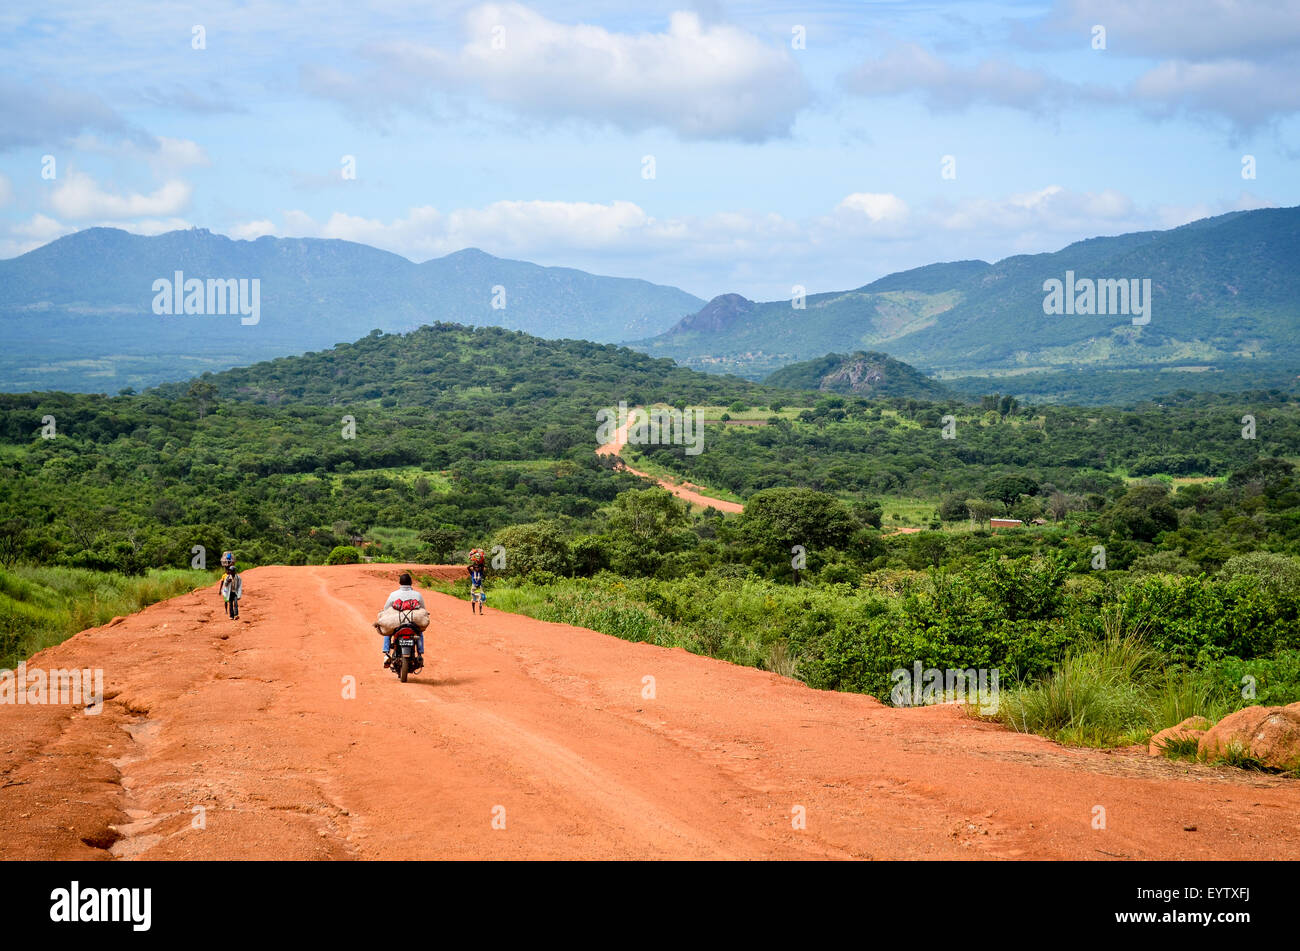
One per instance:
(404,593)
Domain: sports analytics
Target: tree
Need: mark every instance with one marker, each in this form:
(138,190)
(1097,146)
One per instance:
(647,516)
(203,393)
(1009,488)
(441,540)
(868,512)
(12,533)
(953,508)
(1142,513)
(981,510)
(774,520)
(536,546)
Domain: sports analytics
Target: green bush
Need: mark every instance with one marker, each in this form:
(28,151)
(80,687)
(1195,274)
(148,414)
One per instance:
(344,555)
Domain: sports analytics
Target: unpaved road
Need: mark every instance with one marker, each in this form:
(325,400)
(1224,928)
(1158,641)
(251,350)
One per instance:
(684,490)
(237,739)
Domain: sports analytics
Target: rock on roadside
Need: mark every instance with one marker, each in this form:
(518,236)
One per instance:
(1270,735)
(1191,728)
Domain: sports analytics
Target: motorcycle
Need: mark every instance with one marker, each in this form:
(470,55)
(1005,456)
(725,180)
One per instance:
(406,659)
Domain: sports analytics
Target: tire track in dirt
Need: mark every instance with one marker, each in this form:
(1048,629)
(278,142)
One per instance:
(285,736)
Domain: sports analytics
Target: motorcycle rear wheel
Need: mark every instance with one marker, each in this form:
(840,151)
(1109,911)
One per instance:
(404,668)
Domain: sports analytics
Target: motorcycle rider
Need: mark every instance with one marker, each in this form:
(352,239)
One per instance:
(404,593)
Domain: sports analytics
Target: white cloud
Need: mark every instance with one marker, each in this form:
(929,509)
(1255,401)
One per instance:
(946,87)
(1187,29)
(175,154)
(703,80)
(861,237)
(876,207)
(39,114)
(41,228)
(148,226)
(1237,60)
(250,230)
(1249,94)
(1051,209)
(164,155)
(79,197)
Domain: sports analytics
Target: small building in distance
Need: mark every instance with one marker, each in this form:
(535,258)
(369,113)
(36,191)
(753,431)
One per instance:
(1005,523)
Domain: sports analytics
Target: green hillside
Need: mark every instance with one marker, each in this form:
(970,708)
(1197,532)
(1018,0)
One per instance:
(861,374)
(1224,311)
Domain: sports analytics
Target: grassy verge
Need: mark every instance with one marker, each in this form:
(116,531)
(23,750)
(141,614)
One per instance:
(39,607)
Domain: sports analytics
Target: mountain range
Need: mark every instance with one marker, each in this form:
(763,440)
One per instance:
(1210,305)
(1224,311)
(79,313)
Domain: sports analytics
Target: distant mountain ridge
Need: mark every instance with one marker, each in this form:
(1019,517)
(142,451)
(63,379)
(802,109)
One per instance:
(1225,305)
(77,313)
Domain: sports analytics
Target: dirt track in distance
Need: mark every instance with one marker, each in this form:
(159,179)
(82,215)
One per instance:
(684,490)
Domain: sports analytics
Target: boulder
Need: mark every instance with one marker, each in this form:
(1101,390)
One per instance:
(1270,735)
(1191,728)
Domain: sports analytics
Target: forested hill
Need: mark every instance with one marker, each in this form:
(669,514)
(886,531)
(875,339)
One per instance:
(447,365)
(861,373)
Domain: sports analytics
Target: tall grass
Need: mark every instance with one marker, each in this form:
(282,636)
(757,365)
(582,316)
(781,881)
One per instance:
(1114,691)
(40,607)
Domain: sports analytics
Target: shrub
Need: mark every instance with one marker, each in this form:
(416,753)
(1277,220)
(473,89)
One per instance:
(344,555)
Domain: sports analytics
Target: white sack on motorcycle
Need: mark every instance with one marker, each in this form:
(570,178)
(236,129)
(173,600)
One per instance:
(390,619)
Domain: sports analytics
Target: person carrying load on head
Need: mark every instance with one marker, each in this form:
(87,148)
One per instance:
(477,569)
(232,585)
(403,603)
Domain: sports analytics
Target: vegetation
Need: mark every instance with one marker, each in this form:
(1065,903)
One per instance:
(1154,577)
(1221,318)
(40,607)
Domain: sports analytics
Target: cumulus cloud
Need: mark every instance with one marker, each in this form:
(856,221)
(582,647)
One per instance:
(79,197)
(1248,94)
(1053,209)
(862,236)
(503,227)
(250,230)
(874,206)
(41,229)
(702,80)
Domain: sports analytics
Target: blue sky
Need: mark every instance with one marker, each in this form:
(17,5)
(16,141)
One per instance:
(522,129)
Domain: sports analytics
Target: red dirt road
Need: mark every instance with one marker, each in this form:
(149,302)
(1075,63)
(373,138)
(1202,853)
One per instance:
(236,739)
(683,490)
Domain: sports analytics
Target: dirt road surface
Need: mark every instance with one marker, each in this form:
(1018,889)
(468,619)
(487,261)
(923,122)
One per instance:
(280,736)
(683,490)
